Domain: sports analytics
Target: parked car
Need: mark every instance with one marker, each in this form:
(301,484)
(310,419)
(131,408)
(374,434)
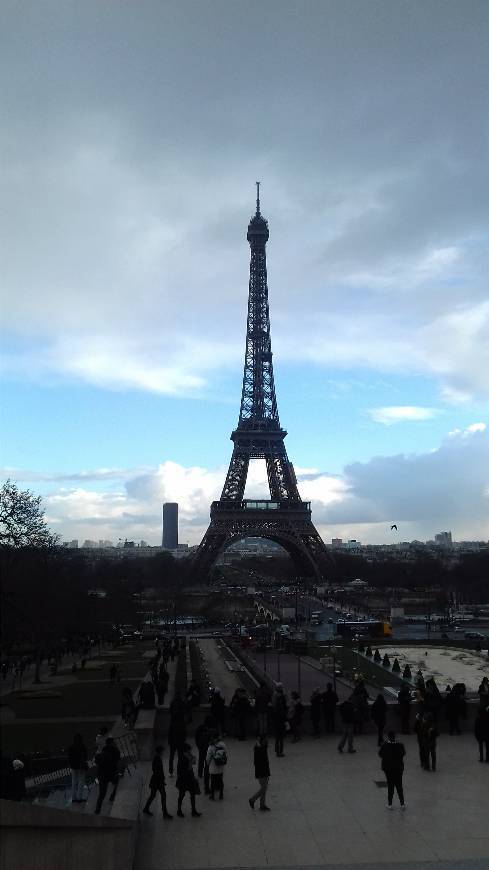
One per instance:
(474,635)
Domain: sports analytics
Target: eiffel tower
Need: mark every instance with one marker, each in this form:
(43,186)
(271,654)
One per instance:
(284,518)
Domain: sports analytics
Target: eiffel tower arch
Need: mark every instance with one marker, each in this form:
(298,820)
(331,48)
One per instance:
(284,518)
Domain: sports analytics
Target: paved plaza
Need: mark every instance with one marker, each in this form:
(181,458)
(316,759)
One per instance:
(328,810)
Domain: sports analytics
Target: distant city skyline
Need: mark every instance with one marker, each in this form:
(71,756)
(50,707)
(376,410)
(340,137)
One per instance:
(128,186)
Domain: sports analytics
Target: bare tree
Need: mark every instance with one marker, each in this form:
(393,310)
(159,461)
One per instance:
(22,522)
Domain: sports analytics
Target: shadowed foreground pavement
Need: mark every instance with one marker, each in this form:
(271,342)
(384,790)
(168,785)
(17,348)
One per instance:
(327,810)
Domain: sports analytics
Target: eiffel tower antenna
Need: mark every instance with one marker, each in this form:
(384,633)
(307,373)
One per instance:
(284,518)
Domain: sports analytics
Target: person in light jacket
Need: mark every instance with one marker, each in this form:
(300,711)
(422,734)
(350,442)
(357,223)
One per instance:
(216,761)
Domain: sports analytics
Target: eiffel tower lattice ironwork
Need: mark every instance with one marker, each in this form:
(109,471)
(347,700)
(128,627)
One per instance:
(285,518)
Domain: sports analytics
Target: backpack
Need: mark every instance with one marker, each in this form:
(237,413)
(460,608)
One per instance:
(220,757)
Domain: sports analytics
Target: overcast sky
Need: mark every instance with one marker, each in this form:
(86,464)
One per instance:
(131,137)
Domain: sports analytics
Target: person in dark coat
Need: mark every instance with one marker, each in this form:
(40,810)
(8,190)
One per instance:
(392,754)
(203,735)
(108,772)
(78,761)
(347,712)
(454,707)
(279,718)
(330,700)
(404,701)
(128,708)
(262,702)
(157,784)
(262,773)
(379,716)
(481,731)
(296,713)
(146,695)
(428,736)
(240,707)
(186,781)
(218,710)
(316,703)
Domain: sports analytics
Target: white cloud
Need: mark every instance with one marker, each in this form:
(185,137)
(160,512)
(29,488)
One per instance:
(401,414)
(423,493)
(468,431)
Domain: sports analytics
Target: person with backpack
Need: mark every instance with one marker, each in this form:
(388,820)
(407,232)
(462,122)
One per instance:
(392,754)
(157,784)
(262,773)
(216,760)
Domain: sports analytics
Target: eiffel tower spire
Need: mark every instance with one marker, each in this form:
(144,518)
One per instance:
(259,433)
(285,519)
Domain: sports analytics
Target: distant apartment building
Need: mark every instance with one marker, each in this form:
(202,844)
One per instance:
(443,539)
(170,525)
(71,545)
(336,543)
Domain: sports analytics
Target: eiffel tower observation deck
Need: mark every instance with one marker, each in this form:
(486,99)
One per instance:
(284,518)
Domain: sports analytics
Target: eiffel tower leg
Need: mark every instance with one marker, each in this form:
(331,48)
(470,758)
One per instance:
(212,544)
(234,486)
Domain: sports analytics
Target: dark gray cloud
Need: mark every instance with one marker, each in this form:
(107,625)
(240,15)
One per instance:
(131,137)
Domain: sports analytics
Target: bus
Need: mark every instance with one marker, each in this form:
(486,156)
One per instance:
(365,628)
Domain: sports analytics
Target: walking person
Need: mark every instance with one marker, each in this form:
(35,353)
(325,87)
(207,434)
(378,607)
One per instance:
(392,754)
(78,761)
(262,773)
(216,760)
(379,716)
(108,772)
(347,712)
(157,784)
(186,781)
(481,731)
(279,717)
(330,700)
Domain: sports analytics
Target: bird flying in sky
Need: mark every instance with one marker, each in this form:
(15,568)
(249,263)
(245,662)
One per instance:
(394,527)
